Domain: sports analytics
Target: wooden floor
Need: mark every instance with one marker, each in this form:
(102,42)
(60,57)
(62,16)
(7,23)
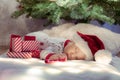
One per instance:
(3,49)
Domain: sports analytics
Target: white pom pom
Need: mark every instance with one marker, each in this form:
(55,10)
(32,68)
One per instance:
(103,56)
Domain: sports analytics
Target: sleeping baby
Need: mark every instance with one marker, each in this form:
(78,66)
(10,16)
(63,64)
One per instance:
(61,49)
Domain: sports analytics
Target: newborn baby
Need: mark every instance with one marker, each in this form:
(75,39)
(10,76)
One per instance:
(54,48)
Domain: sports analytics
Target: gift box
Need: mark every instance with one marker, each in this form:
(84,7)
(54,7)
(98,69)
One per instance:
(15,43)
(29,38)
(28,46)
(36,54)
(23,55)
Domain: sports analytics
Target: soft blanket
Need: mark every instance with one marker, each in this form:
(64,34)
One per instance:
(35,69)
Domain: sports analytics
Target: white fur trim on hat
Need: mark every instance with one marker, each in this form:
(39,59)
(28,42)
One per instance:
(83,46)
(103,56)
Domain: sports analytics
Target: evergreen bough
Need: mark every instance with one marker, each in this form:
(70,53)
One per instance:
(55,10)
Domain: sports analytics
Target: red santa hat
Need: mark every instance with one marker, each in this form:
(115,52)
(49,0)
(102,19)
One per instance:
(89,44)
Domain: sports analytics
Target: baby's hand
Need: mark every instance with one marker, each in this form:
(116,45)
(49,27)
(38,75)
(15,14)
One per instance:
(57,57)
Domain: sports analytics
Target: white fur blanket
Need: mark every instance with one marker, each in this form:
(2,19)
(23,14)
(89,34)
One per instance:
(110,39)
(35,69)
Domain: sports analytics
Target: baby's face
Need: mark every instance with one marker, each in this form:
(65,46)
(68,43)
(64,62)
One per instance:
(73,52)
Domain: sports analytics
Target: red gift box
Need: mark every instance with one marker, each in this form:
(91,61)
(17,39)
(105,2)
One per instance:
(20,54)
(29,38)
(15,43)
(30,46)
(36,54)
(26,48)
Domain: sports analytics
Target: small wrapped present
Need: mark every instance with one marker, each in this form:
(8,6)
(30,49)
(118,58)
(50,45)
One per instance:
(28,46)
(23,55)
(36,54)
(16,43)
(29,38)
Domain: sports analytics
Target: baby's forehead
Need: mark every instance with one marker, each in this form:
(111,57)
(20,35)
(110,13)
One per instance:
(73,44)
(72,41)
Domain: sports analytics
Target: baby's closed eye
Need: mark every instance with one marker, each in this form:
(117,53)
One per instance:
(76,50)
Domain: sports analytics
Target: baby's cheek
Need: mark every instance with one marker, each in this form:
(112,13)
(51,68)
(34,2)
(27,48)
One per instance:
(66,49)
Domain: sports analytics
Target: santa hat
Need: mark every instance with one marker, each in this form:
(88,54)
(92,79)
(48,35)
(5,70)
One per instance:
(88,44)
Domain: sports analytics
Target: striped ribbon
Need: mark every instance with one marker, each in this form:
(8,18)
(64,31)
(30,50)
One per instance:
(23,55)
(17,44)
(30,45)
